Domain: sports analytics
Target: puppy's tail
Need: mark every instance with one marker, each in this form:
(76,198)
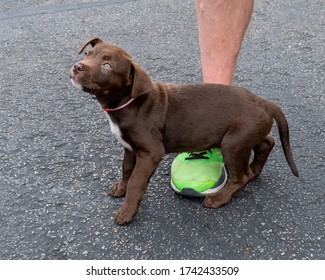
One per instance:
(283,128)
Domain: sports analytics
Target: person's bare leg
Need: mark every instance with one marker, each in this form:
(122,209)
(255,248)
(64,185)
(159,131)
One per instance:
(222,25)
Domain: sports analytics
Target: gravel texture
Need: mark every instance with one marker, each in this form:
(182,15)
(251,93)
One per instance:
(57,154)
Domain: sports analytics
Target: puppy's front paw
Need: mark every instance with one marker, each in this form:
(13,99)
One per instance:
(117,190)
(123,216)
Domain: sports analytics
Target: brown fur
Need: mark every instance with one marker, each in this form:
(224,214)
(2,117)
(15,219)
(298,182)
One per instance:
(171,118)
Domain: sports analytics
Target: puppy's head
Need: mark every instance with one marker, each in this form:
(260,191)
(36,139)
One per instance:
(107,70)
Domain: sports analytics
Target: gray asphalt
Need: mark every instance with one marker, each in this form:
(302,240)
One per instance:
(57,154)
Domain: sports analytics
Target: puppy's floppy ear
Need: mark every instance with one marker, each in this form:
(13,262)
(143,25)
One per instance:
(141,82)
(92,42)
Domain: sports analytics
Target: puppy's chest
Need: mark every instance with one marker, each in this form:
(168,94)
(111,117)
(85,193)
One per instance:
(118,134)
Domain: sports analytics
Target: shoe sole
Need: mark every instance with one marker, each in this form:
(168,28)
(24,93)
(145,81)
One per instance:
(193,193)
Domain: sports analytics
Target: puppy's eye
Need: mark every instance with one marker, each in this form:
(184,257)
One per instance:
(106,65)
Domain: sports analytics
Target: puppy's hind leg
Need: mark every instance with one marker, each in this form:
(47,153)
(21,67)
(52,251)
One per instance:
(261,153)
(236,153)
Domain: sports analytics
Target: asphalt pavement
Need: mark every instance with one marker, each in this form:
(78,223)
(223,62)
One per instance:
(57,154)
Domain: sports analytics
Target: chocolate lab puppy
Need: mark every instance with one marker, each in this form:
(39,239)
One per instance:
(153,118)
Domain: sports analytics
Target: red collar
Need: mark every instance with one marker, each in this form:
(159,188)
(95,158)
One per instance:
(119,108)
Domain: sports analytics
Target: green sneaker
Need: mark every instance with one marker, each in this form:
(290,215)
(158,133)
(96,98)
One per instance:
(198,174)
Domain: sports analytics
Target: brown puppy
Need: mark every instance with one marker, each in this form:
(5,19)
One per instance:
(153,118)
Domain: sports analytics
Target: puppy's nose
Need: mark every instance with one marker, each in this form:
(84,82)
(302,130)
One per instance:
(78,67)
